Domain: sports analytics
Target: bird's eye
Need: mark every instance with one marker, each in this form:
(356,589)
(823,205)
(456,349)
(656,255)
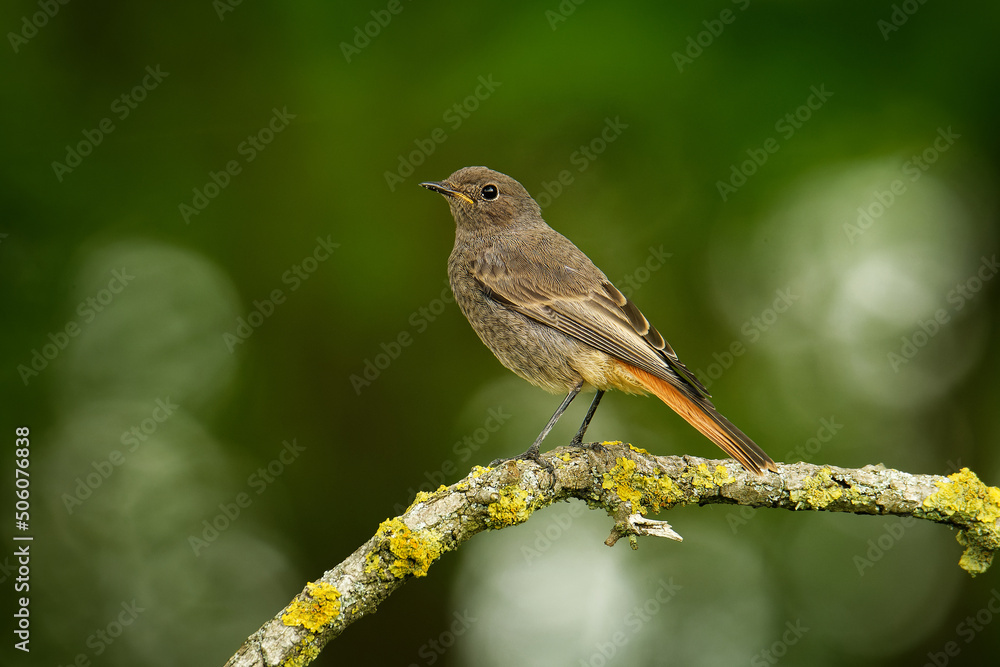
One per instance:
(490,192)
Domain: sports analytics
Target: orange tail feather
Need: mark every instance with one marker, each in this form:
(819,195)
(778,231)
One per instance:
(701,414)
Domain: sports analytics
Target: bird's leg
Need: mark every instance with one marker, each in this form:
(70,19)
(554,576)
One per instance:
(532,452)
(578,439)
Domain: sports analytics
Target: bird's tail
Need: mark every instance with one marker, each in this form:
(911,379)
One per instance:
(700,413)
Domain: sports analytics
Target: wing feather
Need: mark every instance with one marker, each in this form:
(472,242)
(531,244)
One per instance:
(574,297)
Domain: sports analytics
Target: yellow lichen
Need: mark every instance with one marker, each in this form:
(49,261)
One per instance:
(857,497)
(976,506)
(621,479)
(510,509)
(702,478)
(817,491)
(967,496)
(639,450)
(414,550)
(372,562)
(315,608)
(633,487)
(304,656)
(464,485)
(424,496)
(662,492)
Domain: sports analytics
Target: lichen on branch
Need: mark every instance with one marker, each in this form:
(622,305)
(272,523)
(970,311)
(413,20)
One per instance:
(627,483)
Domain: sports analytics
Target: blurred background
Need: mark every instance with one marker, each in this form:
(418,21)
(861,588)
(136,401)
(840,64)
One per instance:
(228,328)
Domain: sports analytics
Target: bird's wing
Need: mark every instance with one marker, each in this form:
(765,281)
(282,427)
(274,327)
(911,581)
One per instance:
(568,293)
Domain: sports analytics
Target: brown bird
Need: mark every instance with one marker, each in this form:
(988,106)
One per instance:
(551,316)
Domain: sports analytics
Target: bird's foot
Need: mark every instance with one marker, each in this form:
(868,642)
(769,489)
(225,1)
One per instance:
(592,446)
(532,454)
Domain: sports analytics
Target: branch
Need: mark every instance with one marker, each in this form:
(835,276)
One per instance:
(625,481)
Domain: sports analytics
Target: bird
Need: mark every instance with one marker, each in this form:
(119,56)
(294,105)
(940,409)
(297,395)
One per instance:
(553,318)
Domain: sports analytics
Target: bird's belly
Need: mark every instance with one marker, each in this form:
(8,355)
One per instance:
(541,355)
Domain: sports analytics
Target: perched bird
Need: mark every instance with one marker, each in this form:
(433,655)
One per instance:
(551,316)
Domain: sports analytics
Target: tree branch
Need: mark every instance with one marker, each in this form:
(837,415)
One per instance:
(625,481)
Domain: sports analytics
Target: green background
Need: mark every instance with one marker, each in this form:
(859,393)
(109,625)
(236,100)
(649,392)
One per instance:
(869,591)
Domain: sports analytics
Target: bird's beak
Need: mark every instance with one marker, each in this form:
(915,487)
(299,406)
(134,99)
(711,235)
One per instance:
(444,189)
